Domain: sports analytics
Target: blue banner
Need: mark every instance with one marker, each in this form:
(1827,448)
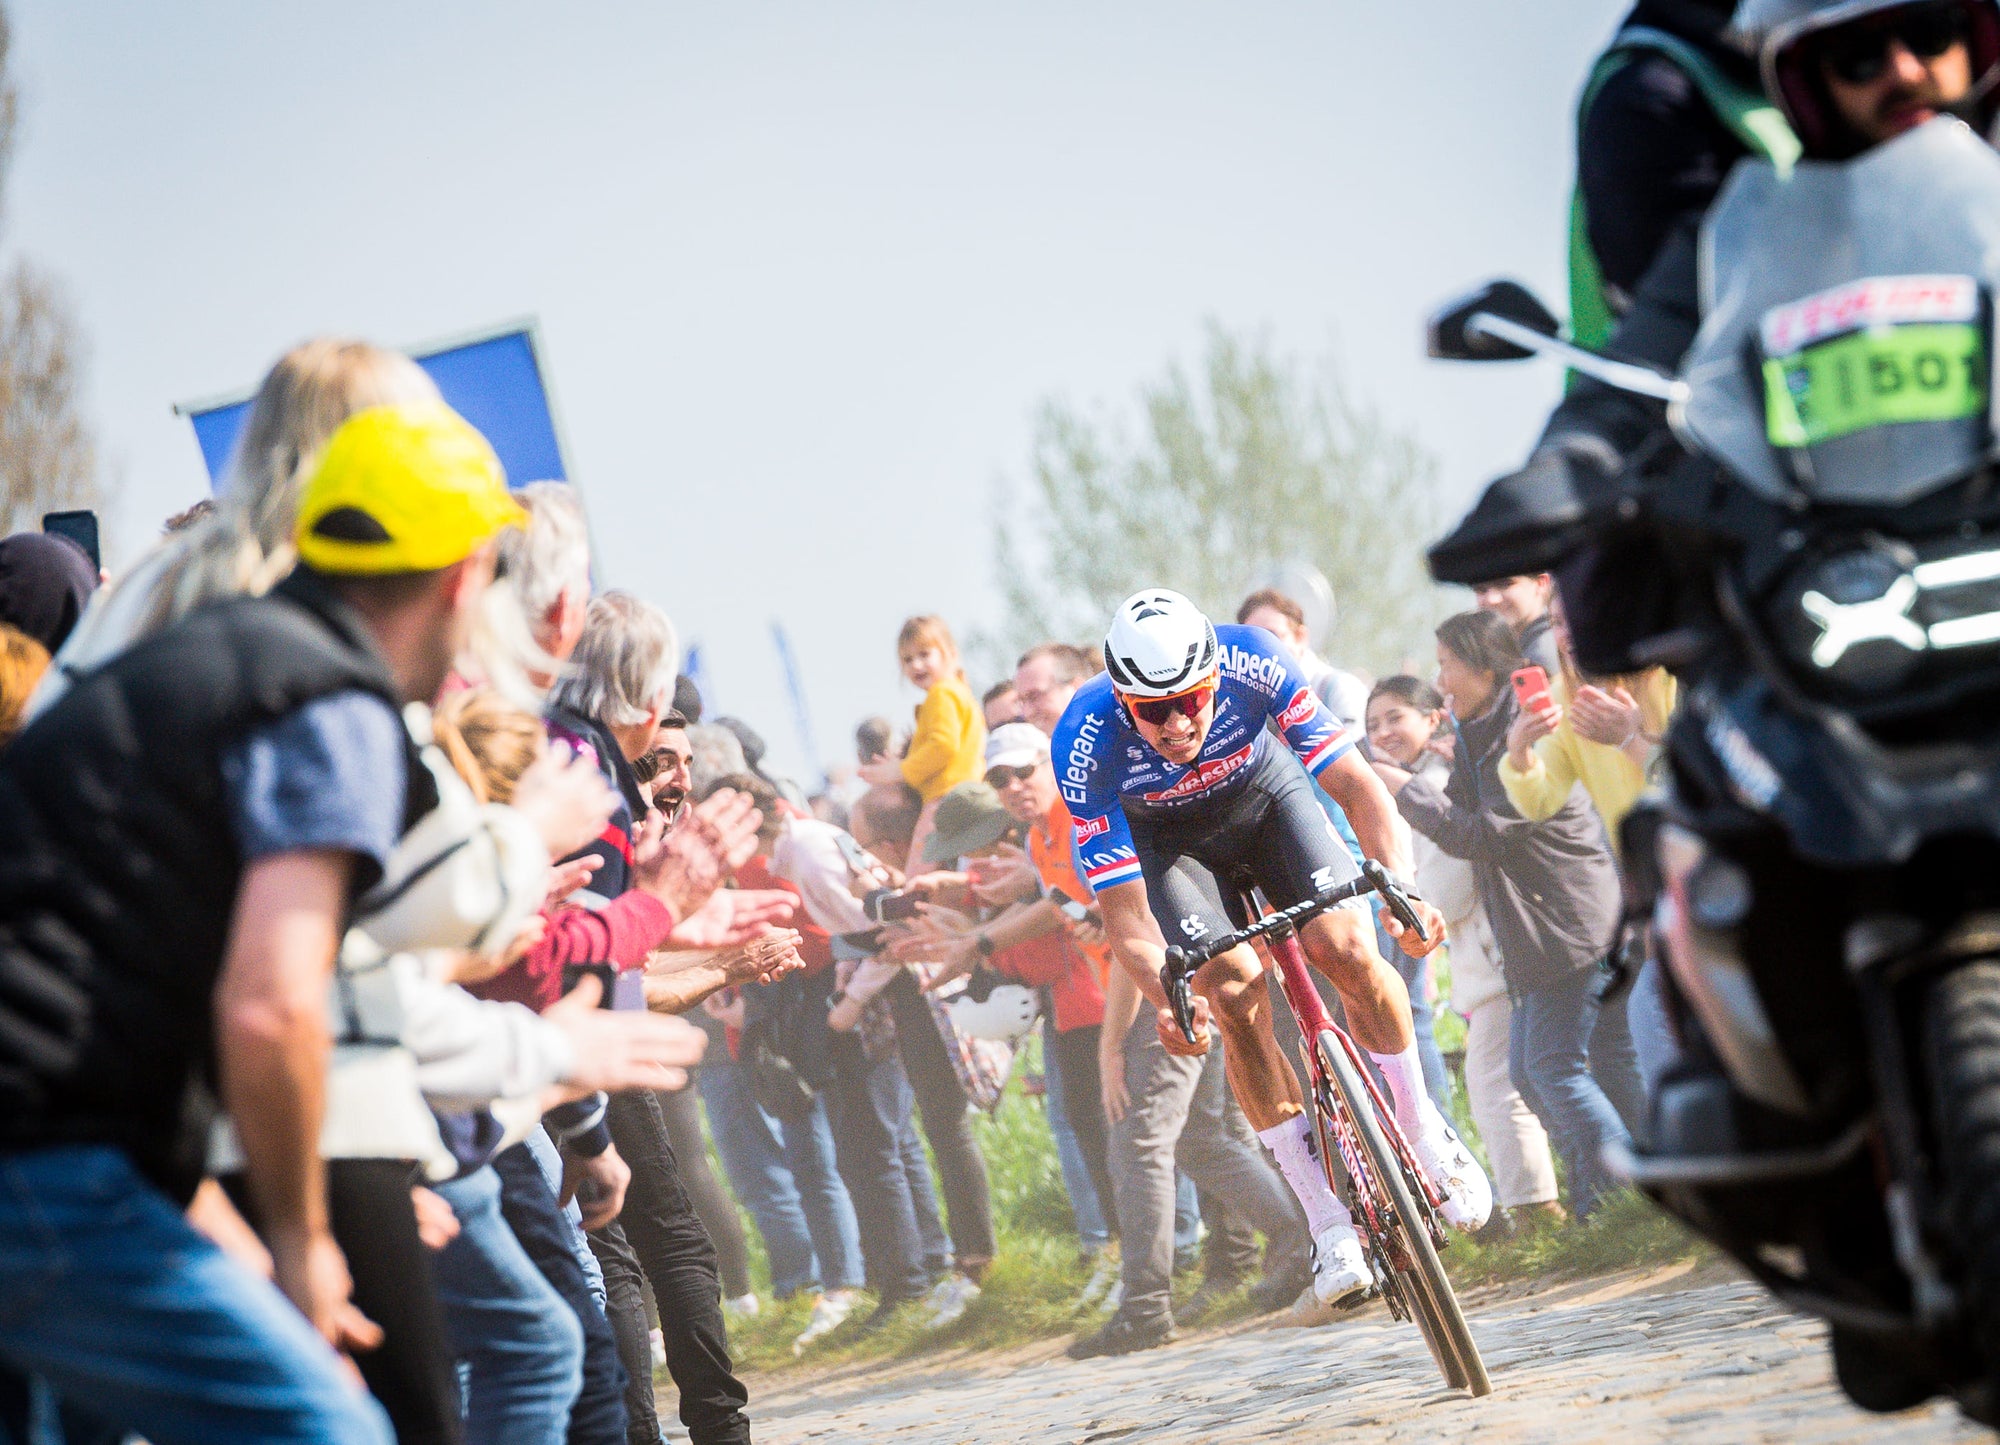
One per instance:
(493,380)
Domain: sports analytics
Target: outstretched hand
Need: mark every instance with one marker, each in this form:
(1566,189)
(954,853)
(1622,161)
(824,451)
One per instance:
(618,1050)
(685,864)
(733,917)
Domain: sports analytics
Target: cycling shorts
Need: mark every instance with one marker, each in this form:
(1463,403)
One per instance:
(1270,831)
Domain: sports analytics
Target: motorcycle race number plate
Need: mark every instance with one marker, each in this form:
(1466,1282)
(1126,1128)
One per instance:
(1874,352)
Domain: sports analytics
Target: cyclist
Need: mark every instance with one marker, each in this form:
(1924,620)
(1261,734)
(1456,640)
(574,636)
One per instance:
(1172,777)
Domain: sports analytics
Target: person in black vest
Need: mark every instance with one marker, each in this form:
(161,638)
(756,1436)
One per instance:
(181,837)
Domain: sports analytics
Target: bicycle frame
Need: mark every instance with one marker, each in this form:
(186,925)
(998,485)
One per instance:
(1315,1023)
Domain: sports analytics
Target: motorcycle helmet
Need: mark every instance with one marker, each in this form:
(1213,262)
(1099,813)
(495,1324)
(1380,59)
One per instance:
(1160,645)
(1005,1015)
(1780,33)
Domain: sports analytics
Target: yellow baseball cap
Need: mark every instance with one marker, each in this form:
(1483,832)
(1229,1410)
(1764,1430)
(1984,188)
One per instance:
(402,489)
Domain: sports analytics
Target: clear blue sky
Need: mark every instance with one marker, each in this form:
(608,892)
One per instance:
(803,270)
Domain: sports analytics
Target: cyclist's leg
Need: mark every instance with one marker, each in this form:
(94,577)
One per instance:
(1187,902)
(1295,855)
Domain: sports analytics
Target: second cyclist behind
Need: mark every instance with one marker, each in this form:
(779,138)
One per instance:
(1192,758)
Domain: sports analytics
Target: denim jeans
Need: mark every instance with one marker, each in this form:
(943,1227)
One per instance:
(869,1101)
(1416,974)
(521,1343)
(1550,1059)
(946,1112)
(785,1175)
(548,1159)
(1614,1061)
(111,1298)
(547,1235)
(1092,1233)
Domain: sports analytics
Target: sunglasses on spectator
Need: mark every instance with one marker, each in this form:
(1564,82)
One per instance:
(999,777)
(1858,54)
(1157,710)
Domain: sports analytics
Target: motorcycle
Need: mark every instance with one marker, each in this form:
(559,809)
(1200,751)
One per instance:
(1821,868)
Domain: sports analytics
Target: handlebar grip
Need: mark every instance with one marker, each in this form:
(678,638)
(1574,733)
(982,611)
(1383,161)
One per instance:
(1393,895)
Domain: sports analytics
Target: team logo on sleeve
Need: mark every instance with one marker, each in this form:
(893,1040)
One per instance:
(1088,828)
(1298,709)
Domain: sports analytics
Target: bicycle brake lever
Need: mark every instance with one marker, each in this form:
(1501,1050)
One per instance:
(1179,997)
(1393,895)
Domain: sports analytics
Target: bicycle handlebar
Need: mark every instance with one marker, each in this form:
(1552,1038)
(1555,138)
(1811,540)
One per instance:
(1182,963)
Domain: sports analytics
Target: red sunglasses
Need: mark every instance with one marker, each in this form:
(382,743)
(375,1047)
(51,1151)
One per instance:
(1156,710)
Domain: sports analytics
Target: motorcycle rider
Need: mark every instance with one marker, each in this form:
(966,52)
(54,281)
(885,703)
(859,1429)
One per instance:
(1670,106)
(1848,75)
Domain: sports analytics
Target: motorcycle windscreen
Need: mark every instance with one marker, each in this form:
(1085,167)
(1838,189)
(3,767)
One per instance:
(1846,347)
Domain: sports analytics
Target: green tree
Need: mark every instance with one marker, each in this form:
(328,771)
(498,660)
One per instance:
(1254,460)
(47,459)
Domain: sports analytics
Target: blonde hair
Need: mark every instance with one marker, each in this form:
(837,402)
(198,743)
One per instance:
(245,544)
(22,663)
(929,630)
(489,741)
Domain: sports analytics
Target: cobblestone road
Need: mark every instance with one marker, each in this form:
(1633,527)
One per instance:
(1666,1356)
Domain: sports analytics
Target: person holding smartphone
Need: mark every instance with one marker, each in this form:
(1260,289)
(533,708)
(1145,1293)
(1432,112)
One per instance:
(1549,888)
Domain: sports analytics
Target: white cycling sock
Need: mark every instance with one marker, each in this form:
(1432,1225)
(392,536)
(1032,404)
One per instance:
(1296,1148)
(1405,1073)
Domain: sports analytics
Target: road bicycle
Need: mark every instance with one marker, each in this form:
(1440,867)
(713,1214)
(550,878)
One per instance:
(1368,1160)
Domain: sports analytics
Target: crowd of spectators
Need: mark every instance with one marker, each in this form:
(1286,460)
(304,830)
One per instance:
(386,936)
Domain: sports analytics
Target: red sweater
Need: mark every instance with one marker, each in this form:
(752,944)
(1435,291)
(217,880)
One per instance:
(1054,961)
(622,933)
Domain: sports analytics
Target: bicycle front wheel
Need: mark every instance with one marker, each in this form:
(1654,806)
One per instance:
(1424,1284)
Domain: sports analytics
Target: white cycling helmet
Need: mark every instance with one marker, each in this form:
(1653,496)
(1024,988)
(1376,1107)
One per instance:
(1160,644)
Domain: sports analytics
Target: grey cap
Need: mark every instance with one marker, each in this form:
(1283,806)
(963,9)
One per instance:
(969,817)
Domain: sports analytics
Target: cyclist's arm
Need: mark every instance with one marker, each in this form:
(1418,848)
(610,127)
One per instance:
(1134,937)
(1371,812)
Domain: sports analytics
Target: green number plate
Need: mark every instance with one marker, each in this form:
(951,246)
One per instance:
(1917,372)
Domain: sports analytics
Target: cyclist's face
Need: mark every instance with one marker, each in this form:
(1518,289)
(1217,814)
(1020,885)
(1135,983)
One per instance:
(1180,737)
(1397,731)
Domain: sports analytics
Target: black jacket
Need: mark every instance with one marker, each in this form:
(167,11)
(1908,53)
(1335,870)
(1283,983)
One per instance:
(119,869)
(1651,149)
(1550,889)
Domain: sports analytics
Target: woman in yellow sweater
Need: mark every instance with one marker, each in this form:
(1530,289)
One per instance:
(1603,736)
(948,745)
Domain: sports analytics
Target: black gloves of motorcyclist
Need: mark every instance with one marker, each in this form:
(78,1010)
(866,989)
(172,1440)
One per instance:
(1528,521)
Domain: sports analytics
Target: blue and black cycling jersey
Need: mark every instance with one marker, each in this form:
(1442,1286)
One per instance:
(1110,775)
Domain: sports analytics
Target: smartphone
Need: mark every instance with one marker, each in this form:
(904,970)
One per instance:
(78,527)
(887,907)
(1531,686)
(605,974)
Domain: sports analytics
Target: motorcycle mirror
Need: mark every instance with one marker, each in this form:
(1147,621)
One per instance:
(1453,336)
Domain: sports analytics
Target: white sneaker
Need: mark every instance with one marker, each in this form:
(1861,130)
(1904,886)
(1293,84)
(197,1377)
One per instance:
(1448,1164)
(1341,1276)
(947,1300)
(743,1307)
(829,1313)
(1103,1276)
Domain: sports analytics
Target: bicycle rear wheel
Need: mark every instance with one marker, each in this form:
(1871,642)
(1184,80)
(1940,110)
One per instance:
(1423,1283)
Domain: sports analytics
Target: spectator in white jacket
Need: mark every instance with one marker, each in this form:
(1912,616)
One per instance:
(1406,727)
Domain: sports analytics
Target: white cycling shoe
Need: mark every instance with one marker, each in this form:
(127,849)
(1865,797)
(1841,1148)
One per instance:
(1341,1276)
(1448,1164)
